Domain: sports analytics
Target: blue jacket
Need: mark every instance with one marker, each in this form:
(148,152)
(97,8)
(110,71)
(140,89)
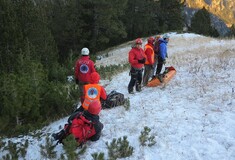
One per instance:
(163,48)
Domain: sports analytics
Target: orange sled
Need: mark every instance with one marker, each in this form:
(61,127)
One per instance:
(167,75)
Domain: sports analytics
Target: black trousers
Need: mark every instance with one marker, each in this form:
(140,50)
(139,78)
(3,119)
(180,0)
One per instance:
(136,78)
(159,65)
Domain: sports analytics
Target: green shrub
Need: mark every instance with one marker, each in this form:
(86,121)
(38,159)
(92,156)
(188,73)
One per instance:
(71,147)
(119,148)
(47,150)
(98,156)
(106,72)
(145,138)
(15,150)
(127,104)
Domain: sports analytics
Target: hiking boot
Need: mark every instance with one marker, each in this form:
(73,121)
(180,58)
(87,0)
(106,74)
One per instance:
(138,88)
(130,91)
(160,77)
(153,77)
(59,136)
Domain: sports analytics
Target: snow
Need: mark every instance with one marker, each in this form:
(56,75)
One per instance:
(192,118)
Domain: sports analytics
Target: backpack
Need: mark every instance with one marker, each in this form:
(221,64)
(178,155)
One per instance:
(157,47)
(114,99)
(82,129)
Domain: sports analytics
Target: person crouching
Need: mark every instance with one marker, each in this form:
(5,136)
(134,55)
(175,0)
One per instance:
(83,126)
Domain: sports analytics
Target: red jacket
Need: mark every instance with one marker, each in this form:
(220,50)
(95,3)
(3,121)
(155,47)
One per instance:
(83,69)
(136,54)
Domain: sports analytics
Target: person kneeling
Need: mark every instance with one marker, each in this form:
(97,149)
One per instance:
(83,126)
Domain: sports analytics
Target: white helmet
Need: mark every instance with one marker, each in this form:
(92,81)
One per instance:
(165,36)
(85,52)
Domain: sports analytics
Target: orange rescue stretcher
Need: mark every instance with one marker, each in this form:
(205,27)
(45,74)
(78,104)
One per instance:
(167,75)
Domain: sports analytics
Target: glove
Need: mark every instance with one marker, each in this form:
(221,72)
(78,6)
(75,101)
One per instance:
(164,62)
(76,81)
(142,61)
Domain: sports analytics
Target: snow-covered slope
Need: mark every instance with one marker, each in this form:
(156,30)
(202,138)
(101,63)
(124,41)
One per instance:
(192,118)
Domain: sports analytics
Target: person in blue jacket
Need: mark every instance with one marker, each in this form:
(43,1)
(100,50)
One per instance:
(162,53)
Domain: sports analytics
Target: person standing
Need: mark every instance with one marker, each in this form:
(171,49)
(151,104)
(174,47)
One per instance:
(149,54)
(83,69)
(162,53)
(156,53)
(136,59)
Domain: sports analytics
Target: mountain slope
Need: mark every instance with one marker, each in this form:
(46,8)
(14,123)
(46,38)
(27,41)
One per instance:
(224,9)
(192,118)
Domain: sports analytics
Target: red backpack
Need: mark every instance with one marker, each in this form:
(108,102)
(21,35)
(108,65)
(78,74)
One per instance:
(82,129)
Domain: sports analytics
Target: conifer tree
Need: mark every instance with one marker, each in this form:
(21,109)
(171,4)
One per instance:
(66,26)
(10,35)
(21,94)
(102,22)
(34,24)
(201,23)
(141,18)
(171,15)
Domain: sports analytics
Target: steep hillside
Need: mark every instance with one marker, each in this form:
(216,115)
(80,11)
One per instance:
(224,9)
(192,118)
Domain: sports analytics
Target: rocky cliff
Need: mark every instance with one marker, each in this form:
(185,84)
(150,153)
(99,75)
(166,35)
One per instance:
(224,9)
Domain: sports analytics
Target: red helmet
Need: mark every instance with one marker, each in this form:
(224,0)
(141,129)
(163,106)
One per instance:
(94,107)
(151,40)
(138,41)
(95,78)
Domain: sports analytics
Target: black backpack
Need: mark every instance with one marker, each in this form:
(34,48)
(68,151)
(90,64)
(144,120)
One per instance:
(113,99)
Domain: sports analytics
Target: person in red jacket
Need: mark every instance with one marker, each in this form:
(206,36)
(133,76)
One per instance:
(83,69)
(136,59)
(149,63)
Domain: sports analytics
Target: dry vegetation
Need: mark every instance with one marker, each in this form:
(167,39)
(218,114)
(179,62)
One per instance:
(208,61)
